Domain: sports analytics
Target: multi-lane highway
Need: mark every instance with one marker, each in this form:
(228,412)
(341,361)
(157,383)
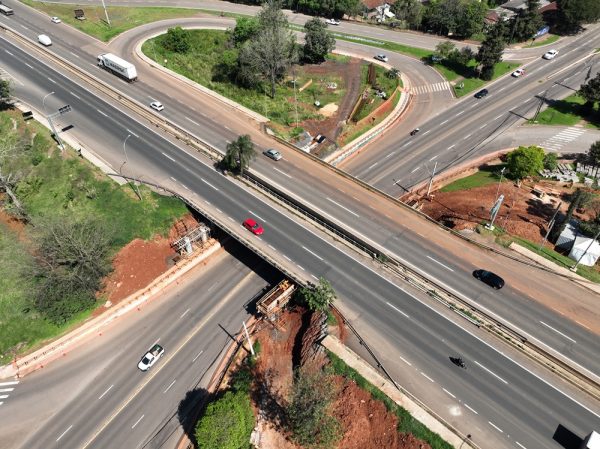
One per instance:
(409,326)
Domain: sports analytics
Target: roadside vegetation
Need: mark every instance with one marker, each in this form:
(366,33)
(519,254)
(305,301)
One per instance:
(122,18)
(486,175)
(67,220)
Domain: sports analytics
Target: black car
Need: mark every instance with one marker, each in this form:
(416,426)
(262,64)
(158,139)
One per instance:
(482,93)
(491,279)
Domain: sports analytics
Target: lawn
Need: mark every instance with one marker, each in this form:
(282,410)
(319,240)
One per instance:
(121,18)
(57,185)
(550,40)
(567,112)
(471,84)
(485,176)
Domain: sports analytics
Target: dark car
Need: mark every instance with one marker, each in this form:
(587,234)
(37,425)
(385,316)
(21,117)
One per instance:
(491,279)
(482,93)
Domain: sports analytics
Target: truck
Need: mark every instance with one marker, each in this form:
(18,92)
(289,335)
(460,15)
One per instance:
(6,10)
(592,441)
(118,66)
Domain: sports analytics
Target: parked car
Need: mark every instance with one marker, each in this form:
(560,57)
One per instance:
(253,227)
(44,40)
(550,54)
(482,93)
(157,105)
(55,19)
(332,22)
(489,278)
(381,57)
(151,357)
(273,154)
(519,72)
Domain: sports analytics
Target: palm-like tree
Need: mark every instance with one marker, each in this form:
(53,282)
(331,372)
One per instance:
(239,154)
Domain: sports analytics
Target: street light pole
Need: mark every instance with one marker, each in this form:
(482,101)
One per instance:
(125,154)
(49,118)
(106,13)
(500,182)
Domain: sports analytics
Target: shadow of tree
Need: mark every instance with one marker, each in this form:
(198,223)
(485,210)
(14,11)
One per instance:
(189,408)
(272,405)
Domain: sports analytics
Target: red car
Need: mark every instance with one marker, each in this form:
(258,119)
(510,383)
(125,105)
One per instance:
(253,227)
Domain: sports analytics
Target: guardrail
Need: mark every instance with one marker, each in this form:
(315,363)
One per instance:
(580,380)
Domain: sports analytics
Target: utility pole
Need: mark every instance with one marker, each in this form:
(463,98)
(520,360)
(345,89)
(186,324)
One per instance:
(431,179)
(551,224)
(499,182)
(106,13)
(295,97)
(574,268)
(49,117)
(248,338)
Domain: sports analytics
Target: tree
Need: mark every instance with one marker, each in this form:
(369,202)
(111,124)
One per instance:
(318,297)
(177,39)
(550,161)
(5,92)
(12,147)
(593,154)
(318,41)
(245,28)
(308,414)
(462,56)
(525,161)
(470,19)
(444,49)
(227,422)
(578,199)
(73,257)
(273,50)
(462,18)
(491,49)
(527,22)
(329,8)
(590,91)
(573,13)
(239,154)
(408,11)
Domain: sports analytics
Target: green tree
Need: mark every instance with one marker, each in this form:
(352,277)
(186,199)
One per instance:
(526,23)
(318,297)
(177,39)
(308,410)
(227,422)
(5,92)
(573,13)
(593,154)
(461,57)
(245,28)
(591,91)
(462,18)
(239,154)
(329,8)
(470,18)
(444,49)
(491,49)
(525,161)
(578,199)
(410,12)
(550,161)
(318,41)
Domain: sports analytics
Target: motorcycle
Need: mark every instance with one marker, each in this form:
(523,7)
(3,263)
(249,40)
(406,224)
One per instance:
(414,131)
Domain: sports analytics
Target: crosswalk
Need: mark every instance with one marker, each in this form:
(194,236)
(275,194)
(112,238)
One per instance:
(426,88)
(6,388)
(556,142)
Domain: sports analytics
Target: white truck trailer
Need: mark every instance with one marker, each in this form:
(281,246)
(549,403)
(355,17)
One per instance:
(592,441)
(118,66)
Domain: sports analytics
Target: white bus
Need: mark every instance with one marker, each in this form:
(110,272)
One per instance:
(6,10)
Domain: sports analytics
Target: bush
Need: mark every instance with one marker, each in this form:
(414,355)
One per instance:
(177,39)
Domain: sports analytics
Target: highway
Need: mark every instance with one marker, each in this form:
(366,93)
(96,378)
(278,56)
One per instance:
(410,324)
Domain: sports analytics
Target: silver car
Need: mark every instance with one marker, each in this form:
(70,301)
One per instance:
(273,154)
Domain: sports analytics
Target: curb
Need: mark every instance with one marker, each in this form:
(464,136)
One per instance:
(58,348)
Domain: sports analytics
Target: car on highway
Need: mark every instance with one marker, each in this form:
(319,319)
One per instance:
(157,105)
(519,72)
(381,57)
(550,54)
(489,278)
(151,357)
(44,40)
(252,226)
(482,93)
(273,154)
(332,22)
(55,19)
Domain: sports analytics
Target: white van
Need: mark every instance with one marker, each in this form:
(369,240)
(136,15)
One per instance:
(44,40)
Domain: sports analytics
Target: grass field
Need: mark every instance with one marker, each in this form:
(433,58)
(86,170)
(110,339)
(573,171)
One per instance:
(568,112)
(484,177)
(57,185)
(121,18)
(550,40)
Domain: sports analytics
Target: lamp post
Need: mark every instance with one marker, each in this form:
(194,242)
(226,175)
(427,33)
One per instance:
(49,118)
(124,153)
(500,181)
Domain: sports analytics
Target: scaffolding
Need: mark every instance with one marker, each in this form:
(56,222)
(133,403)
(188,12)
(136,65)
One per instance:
(195,237)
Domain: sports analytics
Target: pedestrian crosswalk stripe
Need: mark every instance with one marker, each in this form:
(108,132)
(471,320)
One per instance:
(426,88)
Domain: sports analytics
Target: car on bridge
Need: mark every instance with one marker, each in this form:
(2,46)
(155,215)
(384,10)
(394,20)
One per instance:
(489,278)
(151,357)
(157,106)
(252,226)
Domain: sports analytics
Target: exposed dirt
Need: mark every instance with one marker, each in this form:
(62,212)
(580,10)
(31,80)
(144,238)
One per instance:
(366,423)
(16,226)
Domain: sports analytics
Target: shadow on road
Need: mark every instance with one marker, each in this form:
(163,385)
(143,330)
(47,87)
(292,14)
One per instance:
(566,438)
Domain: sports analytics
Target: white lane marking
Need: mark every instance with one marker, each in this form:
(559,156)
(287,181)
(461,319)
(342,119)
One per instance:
(184,186)
(314,277)
(309,251)
(103,394)
(405,361)
(184,313)
(195,123)
(459,113)
(289,260)
(467,136)
(168,157)
(491,372)
(173,179)
(1,403)
(450,147)
(77,56)
(169,387)
(12,382)
(29,65)
(471,408)
(406,144)
(218,210)
(75,95)
(138,421)
(496,118)
(132,133)
(283,173)
(105,115)
(233,220)
(389,155)
(372,165)
(558,332)
(207,202)
(198,355)
(500,90)
(345,208)
(425,132)
(440,263)
(24,27)
(6,390)
(9,52)
(4,396)
(397,309)
(208,184)
(301,267)
(415,169)
(445,121)
(583,325)
(63,434)
(520,445)
(447,392)
(434,157)
(427,377)
(257,216)
(495,427)
(51,80)
(483,126)
(271,246)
